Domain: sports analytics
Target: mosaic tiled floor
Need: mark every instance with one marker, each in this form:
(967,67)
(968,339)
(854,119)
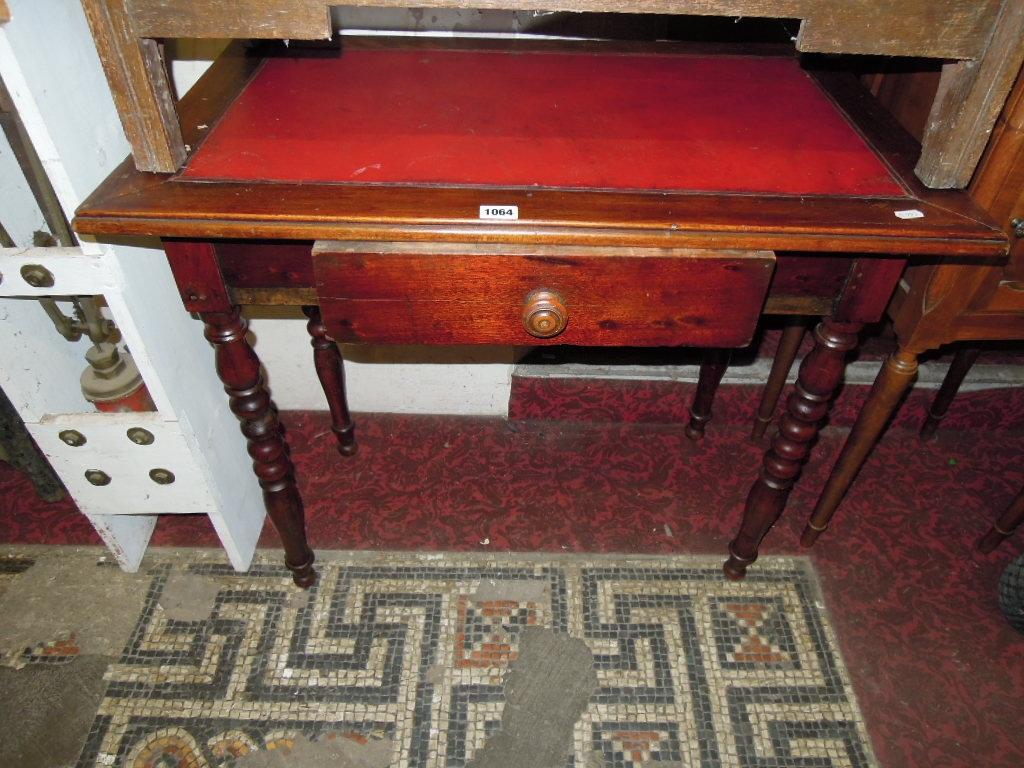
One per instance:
(412,650)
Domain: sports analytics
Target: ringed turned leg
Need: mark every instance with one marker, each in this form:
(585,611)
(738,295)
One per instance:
(894,379)
(958,369)
(712,367)
(1004,527)
(330,369)
(239,369)
(806,408)
(789,345)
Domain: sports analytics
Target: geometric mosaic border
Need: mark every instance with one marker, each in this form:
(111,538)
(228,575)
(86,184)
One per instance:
(692,669)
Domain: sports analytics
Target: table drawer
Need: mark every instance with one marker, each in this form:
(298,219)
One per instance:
(453,293)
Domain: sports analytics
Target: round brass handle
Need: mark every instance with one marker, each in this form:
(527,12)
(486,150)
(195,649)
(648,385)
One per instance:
(544,314)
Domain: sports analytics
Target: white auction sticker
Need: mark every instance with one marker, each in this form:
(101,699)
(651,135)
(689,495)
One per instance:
(911,213)
(504,212)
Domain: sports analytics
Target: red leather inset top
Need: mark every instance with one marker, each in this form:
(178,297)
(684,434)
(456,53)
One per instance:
(583,120)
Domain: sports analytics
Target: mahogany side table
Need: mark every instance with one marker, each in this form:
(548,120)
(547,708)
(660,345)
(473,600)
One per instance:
(453,192)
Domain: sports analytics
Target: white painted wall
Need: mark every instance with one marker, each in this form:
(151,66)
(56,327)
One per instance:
(19,214)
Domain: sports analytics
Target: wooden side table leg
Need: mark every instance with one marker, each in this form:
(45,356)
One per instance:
(963,360)
(894,379)
(712,368)
(330,369)
(806,408)
(239,369)
(789,345)
(1004,527)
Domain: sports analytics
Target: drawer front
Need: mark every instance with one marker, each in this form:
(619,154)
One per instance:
(411,293)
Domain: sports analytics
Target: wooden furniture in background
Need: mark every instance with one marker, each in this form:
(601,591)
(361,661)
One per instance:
(1013,515)
(1004,526)
(941,303)
(958,370)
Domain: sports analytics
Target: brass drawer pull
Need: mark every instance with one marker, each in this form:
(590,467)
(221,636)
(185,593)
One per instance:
(544,314)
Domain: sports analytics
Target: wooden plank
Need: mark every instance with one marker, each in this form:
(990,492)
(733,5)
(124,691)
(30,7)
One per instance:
(138,81)
(970,98)
(951,29)
(931,28)
(258,19)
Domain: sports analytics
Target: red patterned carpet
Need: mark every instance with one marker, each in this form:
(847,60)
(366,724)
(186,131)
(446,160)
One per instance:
(938,672)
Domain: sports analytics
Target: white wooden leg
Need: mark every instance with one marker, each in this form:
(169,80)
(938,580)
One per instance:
(126,536)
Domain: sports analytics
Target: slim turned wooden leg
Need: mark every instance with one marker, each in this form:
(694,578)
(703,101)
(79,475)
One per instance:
(712,368)
(330,369)
(895,377)
(963,360)
(239,369)
(789,345)
(1004,527)
(806,408)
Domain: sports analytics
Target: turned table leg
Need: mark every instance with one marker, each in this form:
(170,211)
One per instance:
(895,377)
(330,369)
(789,345)
(806,408)
(1004,527)
(239,369)
(963,360)
(712,367)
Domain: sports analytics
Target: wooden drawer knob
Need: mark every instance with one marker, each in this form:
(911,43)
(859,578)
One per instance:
(544,314)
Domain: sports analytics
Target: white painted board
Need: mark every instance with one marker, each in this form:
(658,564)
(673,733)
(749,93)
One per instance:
(107,448)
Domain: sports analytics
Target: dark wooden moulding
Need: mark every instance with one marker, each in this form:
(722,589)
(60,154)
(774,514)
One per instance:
(231,244)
